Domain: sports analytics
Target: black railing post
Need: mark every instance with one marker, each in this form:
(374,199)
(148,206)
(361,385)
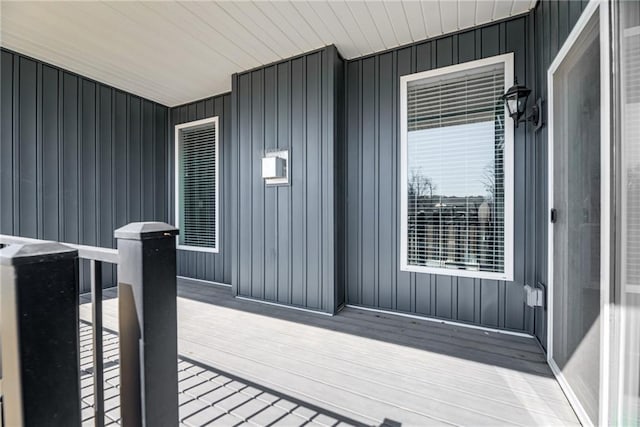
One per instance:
(98,352)
(39,315)
(148,324)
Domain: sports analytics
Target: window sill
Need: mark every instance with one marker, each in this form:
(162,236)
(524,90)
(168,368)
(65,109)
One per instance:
(472,274)
(197,249)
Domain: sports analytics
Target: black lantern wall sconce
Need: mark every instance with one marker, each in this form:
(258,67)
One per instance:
(516,100)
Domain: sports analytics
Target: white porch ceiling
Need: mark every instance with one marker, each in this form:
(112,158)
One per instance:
(176,52)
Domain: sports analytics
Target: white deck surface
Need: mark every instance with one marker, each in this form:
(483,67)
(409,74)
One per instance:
(358,367)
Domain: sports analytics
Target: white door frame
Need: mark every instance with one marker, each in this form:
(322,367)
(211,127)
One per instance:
(602,7)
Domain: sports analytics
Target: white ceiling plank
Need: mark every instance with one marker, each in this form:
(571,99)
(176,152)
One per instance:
(344,14)
(145,27)
(381,20)
(281,24)
(176,15)
(484,11)
(247,16)
(71,59)
(432,17)
(398,20)
(71,63)
(466,13)
(317,24)
(178,48)
(502,9)
(520,6)
(367,26)
(418,26)
(293,19)
(64,35)
(174,53)
(214,17)
(343,40)
(449,16)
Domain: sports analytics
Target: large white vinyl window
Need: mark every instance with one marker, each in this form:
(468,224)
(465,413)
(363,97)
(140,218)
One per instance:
(457,170)
(197,185)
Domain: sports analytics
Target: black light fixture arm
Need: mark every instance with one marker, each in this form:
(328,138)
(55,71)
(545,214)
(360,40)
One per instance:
(533,115)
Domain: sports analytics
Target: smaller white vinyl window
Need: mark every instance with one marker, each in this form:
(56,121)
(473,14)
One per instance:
(196,186)
(457,170)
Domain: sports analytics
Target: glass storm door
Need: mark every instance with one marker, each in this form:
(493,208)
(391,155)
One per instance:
(574,188)
(627,404)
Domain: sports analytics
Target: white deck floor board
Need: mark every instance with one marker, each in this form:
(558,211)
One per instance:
(368,367)
(349,348)
(391,373)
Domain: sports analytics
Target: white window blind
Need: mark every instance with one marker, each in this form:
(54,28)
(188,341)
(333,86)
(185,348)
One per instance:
(455,213)
(197,184)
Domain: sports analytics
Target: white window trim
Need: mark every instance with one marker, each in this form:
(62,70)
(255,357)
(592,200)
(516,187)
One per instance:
(507,60)
(178,128)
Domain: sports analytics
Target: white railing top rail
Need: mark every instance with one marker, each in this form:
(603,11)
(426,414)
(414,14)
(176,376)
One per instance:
(87,252)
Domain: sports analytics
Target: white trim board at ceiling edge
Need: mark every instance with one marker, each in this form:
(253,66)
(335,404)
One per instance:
(176,190)
(603,34)
(509,183)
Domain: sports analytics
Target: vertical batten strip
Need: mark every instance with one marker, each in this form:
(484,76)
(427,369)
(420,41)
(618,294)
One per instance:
(290,125)
(16,146)
(39,154)
(61,164)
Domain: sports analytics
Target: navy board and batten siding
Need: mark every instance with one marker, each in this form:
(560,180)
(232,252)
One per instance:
(373,274)
(213,267)
(78,159)
(284,236)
